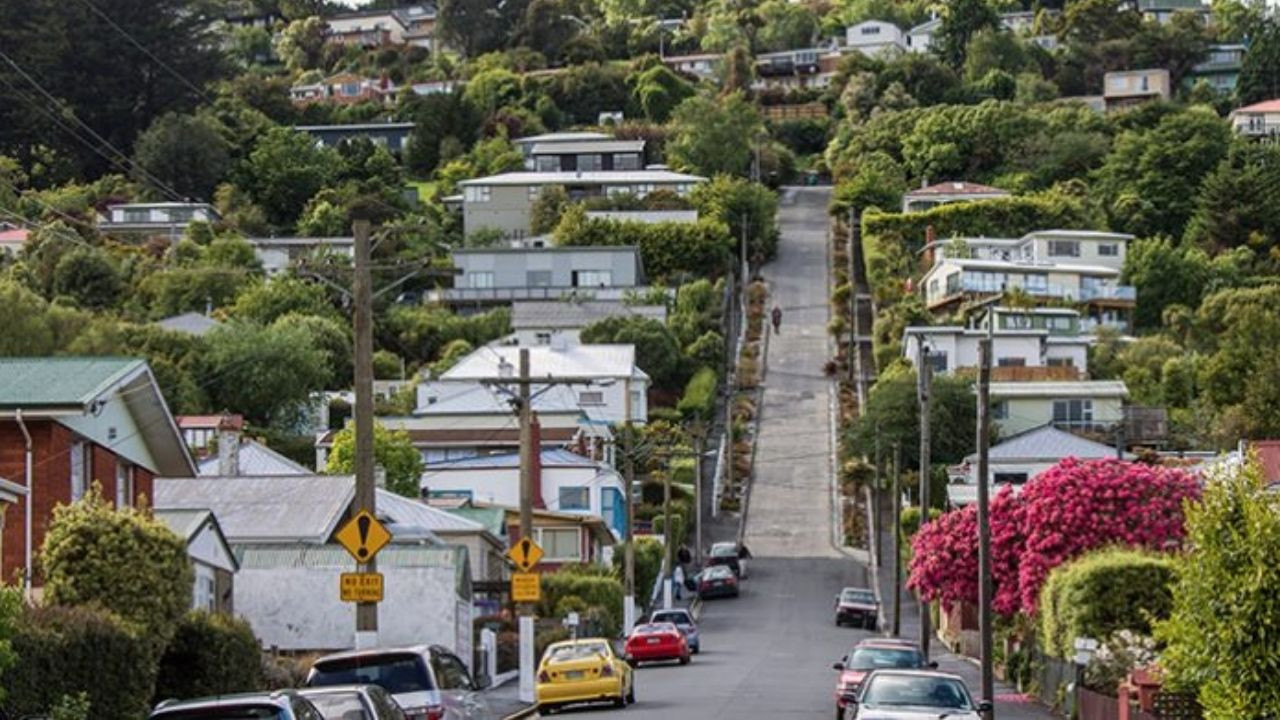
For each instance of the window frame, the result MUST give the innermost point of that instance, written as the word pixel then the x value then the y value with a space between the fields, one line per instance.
pixel 1055 246
pixel 552 548
pixel 581 495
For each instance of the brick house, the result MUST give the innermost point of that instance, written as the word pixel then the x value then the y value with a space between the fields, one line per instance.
pixel 69 422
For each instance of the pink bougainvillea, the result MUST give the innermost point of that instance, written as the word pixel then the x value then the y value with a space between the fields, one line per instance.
pixel 1071 508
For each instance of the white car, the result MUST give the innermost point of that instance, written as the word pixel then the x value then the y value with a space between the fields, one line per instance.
pixel 427 682
pixel 914 695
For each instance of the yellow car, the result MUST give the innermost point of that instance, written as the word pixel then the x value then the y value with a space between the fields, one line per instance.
pixel 580 671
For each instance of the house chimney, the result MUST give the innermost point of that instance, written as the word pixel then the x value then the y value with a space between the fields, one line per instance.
pixel 535 461
pixel 229 446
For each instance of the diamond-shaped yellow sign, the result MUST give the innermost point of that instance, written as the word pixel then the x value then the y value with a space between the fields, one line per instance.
pixel 525 554
pixel 363 536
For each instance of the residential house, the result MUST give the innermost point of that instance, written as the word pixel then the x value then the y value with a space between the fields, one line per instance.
pixel 700 66
pixel 486 547
pixel 420 26
pixel 503 275
pixel 1031 344
pixel 165 219
pixel 345 89
pixel 434 87
pixel 1020 457
pixel 593 155
pixel 12 241
pixel 239 456
pixel 1260 120
pixel 282 253
pixel 1049 266
pixel 616 382
pixel 789 69
pixel 191 323
pixel 920 38
pixel 366 28
pixel 525 144
pixel 538 322
pixel 504 202
pixel 648 217
pixel 67 423
pixel 213 564
pixel 1129 88
pixel 394 136
pixel 928 197
pixel 875 38
pixel 1095 406
pixel 10 494
pixel 201 432
pixel 1162 11
pixel 566 538
pixel 1220 68
pixel 281 530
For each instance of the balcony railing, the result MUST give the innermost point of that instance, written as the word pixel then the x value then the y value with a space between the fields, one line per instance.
pixel 1066 292
pixel 530 293
pixel 1041 373
pixel 1269 129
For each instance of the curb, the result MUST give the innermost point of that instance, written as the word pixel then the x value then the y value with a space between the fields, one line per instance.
pixel 695 609
pixel 525 713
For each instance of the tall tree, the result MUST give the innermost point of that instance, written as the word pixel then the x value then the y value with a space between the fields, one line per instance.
pixel 1260 73
pixel 478 26
pixel 961 20
pixel 714 135
pixel 186 152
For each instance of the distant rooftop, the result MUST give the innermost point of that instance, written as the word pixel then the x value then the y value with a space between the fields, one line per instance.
pixel 1266 106
pixel 61 381
pixel 543 314
pixel 957 188
pixel 550 458
pixel 192 323
pixel 572 136
pixel 587 146
pixel 594 177
pixel 585 361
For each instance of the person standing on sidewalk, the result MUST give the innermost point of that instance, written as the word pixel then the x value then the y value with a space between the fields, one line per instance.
pixel 777 320
pixel 677 582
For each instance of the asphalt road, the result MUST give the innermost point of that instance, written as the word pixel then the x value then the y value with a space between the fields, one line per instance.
pixel 768 654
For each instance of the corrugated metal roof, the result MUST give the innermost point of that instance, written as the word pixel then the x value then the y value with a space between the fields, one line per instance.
pixel 184 523
pixel 574 147
pixel 255 460
pixel 295 508
pixel 592 177
pixel 266 557
pixel 403 510
pixel 32 382
pixel 550 458
pixel 572 136
pixel 1049 444
pixel 467 398
pixel 492 518
pixel 602 361
pixel 957 188
pixel 541 314
pixel 1079 388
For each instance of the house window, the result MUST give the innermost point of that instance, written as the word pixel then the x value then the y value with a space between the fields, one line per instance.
pixel 542 338
pixel 1011 362
pixel 953 283
pixel 1036 283
pixel 575 498
pixel 870 29
pixel 1060 324
pixel 538 278
pixel 560 544
pixel 593 278
pixel 548 163
pixel 1109 250
pixel 1146 83
pixel 124 484
pixel 589 163
pixel 591 397
pixel 1010 478
pixel 626 161
pixel 1000 410
pixel 480 280
pixel 477 193
pixel 637 405
pixel 79 470
pixel 534 192
pixel 1073 413
pixel 205 590
pixel 938 361
pixel 181 215
pixel 137 216
pixel 1060 362
pixel 1064 248
pixel 1016 322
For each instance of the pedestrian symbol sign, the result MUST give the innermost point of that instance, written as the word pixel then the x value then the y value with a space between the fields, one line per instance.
pixel 525 554
pixel 363 536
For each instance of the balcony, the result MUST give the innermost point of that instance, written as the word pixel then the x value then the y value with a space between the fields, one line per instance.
pixel 1116 293
pixel 512 294
pixel 1040 373
pixel 1259 129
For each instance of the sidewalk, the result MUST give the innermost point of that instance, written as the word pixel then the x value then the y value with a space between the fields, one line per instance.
pixel 1009 703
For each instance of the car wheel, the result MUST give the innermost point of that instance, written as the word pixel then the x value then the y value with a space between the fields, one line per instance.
pixel 684 659
pixel 546 709
pixel 631 693
pixel 697 649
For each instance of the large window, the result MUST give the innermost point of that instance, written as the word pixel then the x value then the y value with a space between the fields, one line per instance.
pixel 480 279
pixel 1011 362
pixel 1060 362
pixel 1109 250
pixel 560 544
pixel 1074 413
pixel 1000 410
pixel 593 278
pixel 575 498
pixel 591 397
pixel 80 453
pixel 538 278
pixel 1036 283
pixel 938 361
pixel 548 163
pixel 477 193
pixel 1064 248
pixel 1010 478
pixel 137 216
pixel 181 215
pixel 589 163
pixel 124 484
pixel 626 161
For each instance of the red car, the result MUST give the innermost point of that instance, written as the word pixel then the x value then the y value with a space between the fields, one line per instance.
pixel 874 654
pixel 657 641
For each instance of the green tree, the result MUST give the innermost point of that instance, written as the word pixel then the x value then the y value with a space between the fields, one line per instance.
pixel 1218 643
pixel 745 207
pixel 210 654
pixel 301 44
pixel 1176 46
pixel 658 90
pixel 263 303
pixel 267 374
pixel 89 277
pixel 186 153
pixel 1233 208
pixel 657 352
pixel 330 335
pixel 476 27
pixel 1091 21
pixel 545 213
pixel 10 610
pixel 120 560
pixel 392 450
pixel 961 20
pixel 284 170
pixel 785 26
pixel 714 135
pixel 1165 273
pixel 992 49
pixel 893 412
pixel 1260 72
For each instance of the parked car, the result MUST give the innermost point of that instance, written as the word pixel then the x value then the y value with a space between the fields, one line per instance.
pixel 427 682
pixel 656 641
pixel 682 619
pixel 869 655
pixel 344 702
pixel 717 581
pixel 280 705
pixel 582 671
pixel 727 553
pixel 857 606
pixel 915 695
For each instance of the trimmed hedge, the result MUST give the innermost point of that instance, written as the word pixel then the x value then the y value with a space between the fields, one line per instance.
pixel 595 590
pixel 1101 593
pixel 699 399
pixel 210 654
pixel 668 249
pixel 910 520
pixel 67 650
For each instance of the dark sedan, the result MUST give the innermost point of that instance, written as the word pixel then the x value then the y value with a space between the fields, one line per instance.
pixel 717 581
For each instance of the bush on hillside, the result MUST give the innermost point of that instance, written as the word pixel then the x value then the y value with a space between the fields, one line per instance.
pixel 210 654
pixel 668 250
pixel 699 399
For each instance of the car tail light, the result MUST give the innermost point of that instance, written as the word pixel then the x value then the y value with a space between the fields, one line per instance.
pixel 606 671
pixel 544 677
pixel 429 712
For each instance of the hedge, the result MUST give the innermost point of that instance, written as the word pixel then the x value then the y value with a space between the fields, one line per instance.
pixel 667 249
pixel 67 650
pixel 210 654
pixel 1101 593
pixel 910 520
pixel 595 590
pixel 699 399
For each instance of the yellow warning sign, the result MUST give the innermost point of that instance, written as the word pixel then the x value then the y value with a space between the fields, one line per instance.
pixel 361 587
pixel 525 554
pixel 363 536
pixel 526 587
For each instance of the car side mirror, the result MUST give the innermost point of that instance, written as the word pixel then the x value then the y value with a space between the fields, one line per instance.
pixel 837 666
pixel 985 707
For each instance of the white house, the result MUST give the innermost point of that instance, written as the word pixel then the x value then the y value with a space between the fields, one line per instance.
pixel 1027 344
pixel 875 38
pixel 920 37
pixel 1259 120
pixel 611 370
pixel 163 218
pixel 278 254
pixel 564 482
pixel 1019 458
pixel 930 196
pixel 213 564
pixel 538 322
pixel 703 66
pixel 1083 405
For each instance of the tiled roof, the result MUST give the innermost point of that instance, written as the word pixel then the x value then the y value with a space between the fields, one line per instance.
pixel 60 381
pixel 1266 106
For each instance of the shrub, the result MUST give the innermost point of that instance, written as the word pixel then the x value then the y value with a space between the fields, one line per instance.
pixel 210 654
pixel 648 564
pixel 596 591
pixel 666 249
pixel 1101 593
pixel 911 520
pixel 68 650
pixel 699 399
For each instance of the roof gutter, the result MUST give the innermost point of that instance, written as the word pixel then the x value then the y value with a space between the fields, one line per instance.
pixel 27 502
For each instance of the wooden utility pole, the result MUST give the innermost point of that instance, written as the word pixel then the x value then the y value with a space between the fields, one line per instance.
pixel 699 438
pixel 527 449
pixel 895 483
pixel 629 478
pixel 366 490
pixel 877 525
pixel 984 519
pixel 924 375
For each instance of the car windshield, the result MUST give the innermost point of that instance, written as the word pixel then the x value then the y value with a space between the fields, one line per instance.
pixel 225 712
pixel 578 651
pixel 396 673
pixel 722 551
pixel 677 617
pixel 340 705
pixel 717 572
pixel 897 690
pixel 858 596
pixel 875 657
pixel 655 628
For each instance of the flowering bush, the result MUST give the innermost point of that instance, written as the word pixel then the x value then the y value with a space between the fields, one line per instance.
pixel 1065 511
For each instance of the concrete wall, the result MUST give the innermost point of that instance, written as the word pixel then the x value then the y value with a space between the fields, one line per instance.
pixel 507 210
pixel 299 608
pixel 511 269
